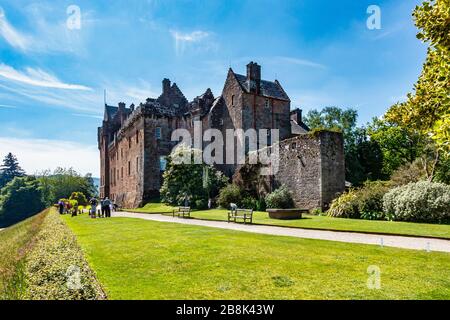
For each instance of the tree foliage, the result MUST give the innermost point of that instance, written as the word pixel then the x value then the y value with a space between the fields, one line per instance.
pixel 426 113
pixel 79 197
pixel 62 182
pixel 10 169
pixel 363 156
pixel 197 182
pixel 19 199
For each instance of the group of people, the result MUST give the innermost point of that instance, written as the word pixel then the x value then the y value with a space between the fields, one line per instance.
pixel 67 207
pixel 106 207
pixel 104 210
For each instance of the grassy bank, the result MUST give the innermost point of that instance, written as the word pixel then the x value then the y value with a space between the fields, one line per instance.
pixel 43 260
pixel 15 243
pixel 138 259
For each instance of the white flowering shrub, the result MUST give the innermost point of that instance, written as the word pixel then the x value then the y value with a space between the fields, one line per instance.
pixel 418 201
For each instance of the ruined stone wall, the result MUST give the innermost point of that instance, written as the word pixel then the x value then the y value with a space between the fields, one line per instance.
pixel 310 165
pixel 299 169
pixel 333 165
pixel 313 167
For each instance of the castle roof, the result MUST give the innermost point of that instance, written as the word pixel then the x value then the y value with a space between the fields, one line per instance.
pixel 268 89
pixel 111 111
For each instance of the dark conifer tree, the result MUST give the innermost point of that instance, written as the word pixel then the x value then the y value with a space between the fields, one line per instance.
pixel 10 169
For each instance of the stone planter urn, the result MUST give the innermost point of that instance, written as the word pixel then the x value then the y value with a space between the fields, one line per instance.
pixel 285 214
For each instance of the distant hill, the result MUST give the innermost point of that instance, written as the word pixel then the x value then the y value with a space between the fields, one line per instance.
pixel 96 183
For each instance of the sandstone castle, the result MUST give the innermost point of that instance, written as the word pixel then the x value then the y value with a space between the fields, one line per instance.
pixel 134 141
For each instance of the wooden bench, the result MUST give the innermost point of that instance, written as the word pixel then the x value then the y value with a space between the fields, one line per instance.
pixel 182 212
pixel 244 214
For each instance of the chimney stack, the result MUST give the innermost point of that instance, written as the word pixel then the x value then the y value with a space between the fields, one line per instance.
pixel 296 115
pixel 254 76
pixel 166 86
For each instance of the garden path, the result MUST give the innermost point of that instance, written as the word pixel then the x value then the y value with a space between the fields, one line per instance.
pixel 415 243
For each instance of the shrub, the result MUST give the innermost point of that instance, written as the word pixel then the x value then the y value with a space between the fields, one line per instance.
pixel 280 199
pixel 56 268
pixel 365 202
pixel 410 172
pixel 370 199
pixel 316 212
pixel 229 194
pixel 201 204
pixel 345 206
pixel 419 201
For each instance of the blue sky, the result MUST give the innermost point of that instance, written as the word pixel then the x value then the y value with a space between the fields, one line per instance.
pixel 52 77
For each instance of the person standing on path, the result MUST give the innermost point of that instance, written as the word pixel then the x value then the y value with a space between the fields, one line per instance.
pixel 107 207
pixel 93 202
pixel 61 207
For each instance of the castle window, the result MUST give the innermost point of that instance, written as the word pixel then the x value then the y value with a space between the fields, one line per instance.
pixel 162 163
pixel 232 100
pixel 129 167
pixel 158 133
pixel 137 137
pixel 129 142
pixel 121 173
pixel 137 164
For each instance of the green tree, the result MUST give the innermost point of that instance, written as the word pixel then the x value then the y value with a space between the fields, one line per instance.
pixel 363 156
pixel 196 181
pixel 79 197
pixel 334 118
pixel 63 182
pixel 398 144
pixel 19 199
pixel 427 110
pixel 10 169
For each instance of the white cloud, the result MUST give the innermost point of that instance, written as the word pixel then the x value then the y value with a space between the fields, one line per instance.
pixel 11 35
pixel 301 62
pixel 6 106
pixel 35 155
pixel 38 78
pixel 183 40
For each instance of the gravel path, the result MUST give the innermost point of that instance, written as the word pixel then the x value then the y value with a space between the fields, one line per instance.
pixel 426 244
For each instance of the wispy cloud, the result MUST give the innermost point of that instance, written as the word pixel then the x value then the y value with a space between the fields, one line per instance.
pixel 36 155
pixel 6 106
pixel 87 115
pixel 183 40
pixel 11 35
pixel 301 62
pixel 38 78
pixel 48 34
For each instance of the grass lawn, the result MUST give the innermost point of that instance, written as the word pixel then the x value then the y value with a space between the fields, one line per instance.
pixel 153 207
pixel 139 259
pixel 341 224
pixel 323 222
